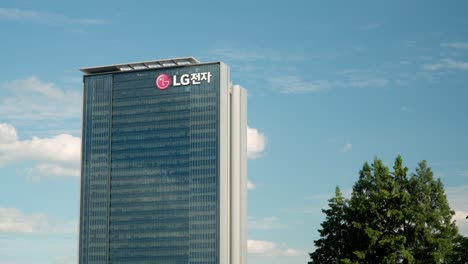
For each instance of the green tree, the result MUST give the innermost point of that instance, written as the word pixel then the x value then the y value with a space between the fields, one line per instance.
pixel 460 250
pixel 331 247
pixel 432 230
pixel 377 211
pixel 390 218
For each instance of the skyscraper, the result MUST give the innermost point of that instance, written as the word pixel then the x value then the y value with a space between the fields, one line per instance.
pixel 163 164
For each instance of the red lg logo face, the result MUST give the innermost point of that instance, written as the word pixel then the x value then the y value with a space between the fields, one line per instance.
pixel 163 81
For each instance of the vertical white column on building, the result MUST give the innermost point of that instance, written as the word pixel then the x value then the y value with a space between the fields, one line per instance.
pixel 224 166
pixel 243 175
pixel 238 175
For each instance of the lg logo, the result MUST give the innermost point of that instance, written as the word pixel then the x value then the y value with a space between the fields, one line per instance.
pixel 163 81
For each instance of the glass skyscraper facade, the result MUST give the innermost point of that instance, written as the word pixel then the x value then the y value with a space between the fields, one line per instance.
pixel 158 180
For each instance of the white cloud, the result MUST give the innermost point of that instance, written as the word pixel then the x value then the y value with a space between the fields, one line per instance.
pixel 32 99
pixel 289 84
pixel 14 14
pixel 448 64
pixel 460 215
pixel 290 252
pixel 265 223
pixel 462 222
pixel 256 142
pixel 458 197
pixel 250 185
pixel 347 147
pixel 13 221
pixel 54 156
pixel 60 148
pixel 267 248
pixel 375 78
pixel 7 134
pixel 369 83
pixel 455 45
pixel 259 247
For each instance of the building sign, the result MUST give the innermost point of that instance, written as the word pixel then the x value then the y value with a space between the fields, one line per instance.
pixel 163 81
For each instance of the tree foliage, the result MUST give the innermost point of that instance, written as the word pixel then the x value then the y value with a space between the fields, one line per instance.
pixel 332 246
pixel 391 217
pixel 460 251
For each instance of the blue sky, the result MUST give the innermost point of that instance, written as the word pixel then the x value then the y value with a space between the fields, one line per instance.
pixel 331 85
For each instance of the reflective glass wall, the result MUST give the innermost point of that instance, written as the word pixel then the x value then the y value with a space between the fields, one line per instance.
pixel 150 188
pixel 95 172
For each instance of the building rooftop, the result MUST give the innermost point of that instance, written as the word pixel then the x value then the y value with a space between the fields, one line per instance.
pixel 140 65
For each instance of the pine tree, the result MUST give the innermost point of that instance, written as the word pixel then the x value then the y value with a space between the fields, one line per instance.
pixel 331 246
pixel 391 218
pixel 432 229
pixel 460 251
pixel 377 214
